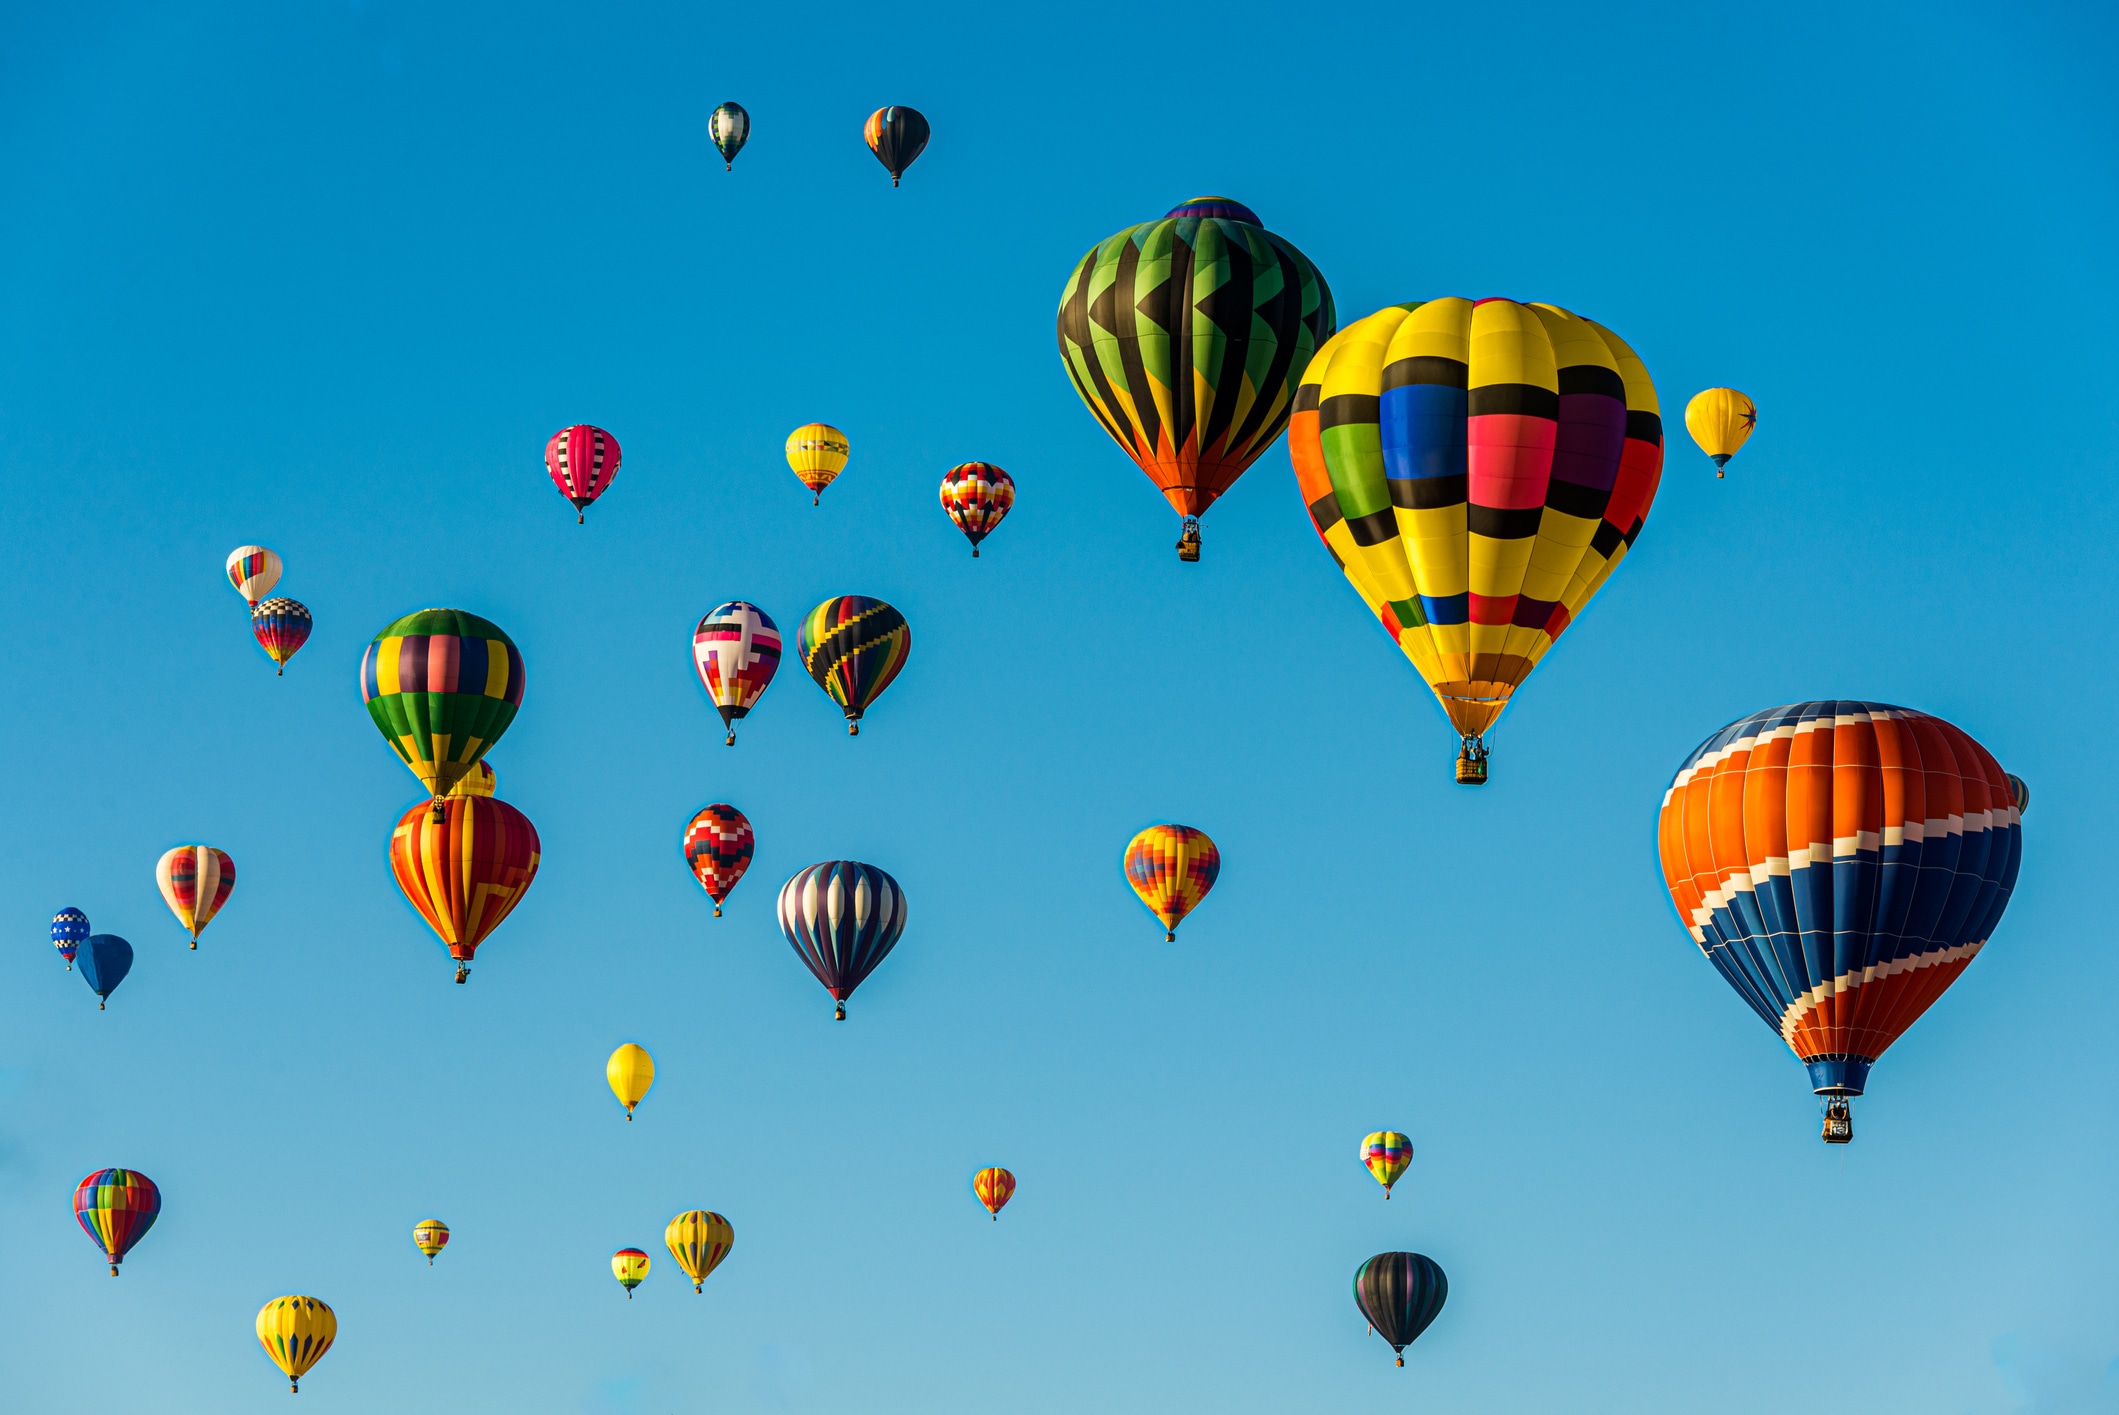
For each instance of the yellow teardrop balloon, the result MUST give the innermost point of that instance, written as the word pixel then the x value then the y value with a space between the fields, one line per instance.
pixel 630 1071
pixel 1720 420
pixel 296 1332
pixel 818 453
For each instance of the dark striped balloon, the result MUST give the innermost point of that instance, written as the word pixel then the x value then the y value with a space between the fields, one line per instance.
pixel 896 135
pixel 843 918
pixel 854 647
pixel 1400 1294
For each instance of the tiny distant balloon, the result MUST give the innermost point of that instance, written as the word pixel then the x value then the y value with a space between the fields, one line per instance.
pixel 896 135
pixel 1171 868
pixel 630 1071
pixel 1386 1154
pixel 105 959
pixel 253 570
pixel 842 918
pixel 1720 421
pixel 196 881
pixel 854 647
pixel 817 452
pixel 282 627
pixel 583 462
pixel 480 780
pixel 69 932
pixel 430 1236
pixel 629 1266
pixel 736 649
pixel 977 495
pixel 718 845
pixel 729 128
pixel 699 1240
pixel 1400 1294
pixel 2020 792
pixel 995 1187
pixel 296 1332
pixel 115 1208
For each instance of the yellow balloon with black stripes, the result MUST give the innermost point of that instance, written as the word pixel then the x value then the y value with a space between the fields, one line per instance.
pixel 1720 421
pixel 699 1239
pixel 1477 469
pixel 818 453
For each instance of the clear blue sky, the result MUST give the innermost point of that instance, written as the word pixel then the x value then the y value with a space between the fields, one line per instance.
pixel 326 276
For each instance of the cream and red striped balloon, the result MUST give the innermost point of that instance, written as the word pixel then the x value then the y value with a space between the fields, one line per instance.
pixel 195 881
pixel 253 570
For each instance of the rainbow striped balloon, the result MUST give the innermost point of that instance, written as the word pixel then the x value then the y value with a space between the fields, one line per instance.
pixel 1171 868
pixel 115 1208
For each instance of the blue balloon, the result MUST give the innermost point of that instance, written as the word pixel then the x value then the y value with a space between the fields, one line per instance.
pixel 69 932
pixel 105 960
pixel 842 918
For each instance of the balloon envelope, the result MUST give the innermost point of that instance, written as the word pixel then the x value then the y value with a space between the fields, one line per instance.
pixel 583 462
pixel 630 1071
pixel 195 881
pixel 430 1236
pixel 69 932
pixel 1171 868
pixel 854 647
pixel 977 495
pixel 104 960
pixel 466 872
pixel 729 129
pixel 736 649
pixel 896 135
pixel 1840 864
pixel 281 627
pixel 995 1187
pixel 441 686
pixel 115 1208
pixel 842 918
pixel 1386 1153
pixel 1720 421
pixel 296 1332
pixel 1400 1294
pixel 253 570
pixel 699 1240
pixel 629 1266
pixel 480 780
pixel 817 452
pixel 718 845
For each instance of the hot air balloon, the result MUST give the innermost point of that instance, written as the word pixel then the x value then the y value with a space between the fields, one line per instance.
pixel 699 1240
pixel 196 881
pixel 630 1071
pixel 854 647
pixel 105 960
pixel 253 570
pixel 1171 868
pixel 282 627
pixel 1477 469
pixel 1400 1294
pixel 480 780
pixel 583 462
pixel 1839 863
pixel 2020 793
pixel 69 932
pixel 629 1266
pixel 718 846
pixel 995 1187
pixel 115 1208
pixel 1185 337
pixel 1386 1154
pixel 729 128
pixel 818 453
pixel 296 1332
pixel 464 863
pixel 430 1236
pixel 1720 420
pixel 976 495
pixel 736 649
pixel 441 686
pixel 896 136
pixel 842 918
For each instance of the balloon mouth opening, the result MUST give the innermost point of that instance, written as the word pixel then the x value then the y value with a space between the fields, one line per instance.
pixel 1838 1076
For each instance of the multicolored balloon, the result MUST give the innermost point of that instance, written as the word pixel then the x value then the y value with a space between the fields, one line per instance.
pixel 282 627
pixel 1840 864
pixel 296 1332
pixel 736 649
pixel 1720 420
pixel 817 452
pixel 1171 868
pixel 69 932
pixel 630 1072
pixel 995 1187
pixel 699 1240
pixel 441 686
pixel 1185 337
pixel 583 462
pixel 430 1236
pixel 1401 1294
pixel 2020 792
pixel 1477 469
pixel 480 780
pixel 842 918
pixel 105 959
pixel 629 1266
pixel 1386 1153
pixel 253 570
pixel 464 862
pixel 196 881
pixel 718 845
pixel 115 1208
pixel 977 495
pixel 854 647
pixel 896 136
pixel 729 129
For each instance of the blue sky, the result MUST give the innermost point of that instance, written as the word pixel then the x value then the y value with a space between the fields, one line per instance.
pixel 325 276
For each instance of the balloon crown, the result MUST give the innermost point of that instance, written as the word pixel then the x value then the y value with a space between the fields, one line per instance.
pixel 1224 207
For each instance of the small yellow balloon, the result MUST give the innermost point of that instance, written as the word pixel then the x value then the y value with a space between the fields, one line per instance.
pixel 296 1332
pixel 629 1266
pixel 1720 419
pixel 479 781
pixel 818 453
pixel 630 1071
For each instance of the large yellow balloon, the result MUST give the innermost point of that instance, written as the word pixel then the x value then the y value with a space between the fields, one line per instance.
pixel 699 1240
pixel 817 452
pixel 296 1332
pixel 1720 419
pixel 630 1071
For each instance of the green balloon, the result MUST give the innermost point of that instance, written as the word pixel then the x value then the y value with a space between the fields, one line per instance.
pixel 442 686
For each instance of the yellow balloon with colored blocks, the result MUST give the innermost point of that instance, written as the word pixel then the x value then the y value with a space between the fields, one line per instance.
pixel 296 1332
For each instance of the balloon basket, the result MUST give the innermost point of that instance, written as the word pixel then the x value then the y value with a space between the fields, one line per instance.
pixel 113 1269
pixel 463 973
pixel 1471 763
pixel 853 728
pixel 1188 541
pixel 839 1014
pixel 1839 1121
pixel 1401 1362
pixel 194 945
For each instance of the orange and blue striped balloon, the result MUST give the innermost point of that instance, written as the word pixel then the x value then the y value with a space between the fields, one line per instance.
pixel 1171 868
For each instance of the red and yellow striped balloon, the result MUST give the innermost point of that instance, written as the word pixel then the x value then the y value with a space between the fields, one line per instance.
pixel 466 871
pixel 995 1187
pixel 1171 868
pixel 196 881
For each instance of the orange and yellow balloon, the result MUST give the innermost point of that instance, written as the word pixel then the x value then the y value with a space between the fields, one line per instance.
pixel 629 1266
pixel 1721 421
pixel 296 1332
pixel 1171 868
pixel 818 453
pixel 196 881
pixel 630 1071
pixel 480 780
pixel 699 1239
pixel 1386 1154
pixel 995 1187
